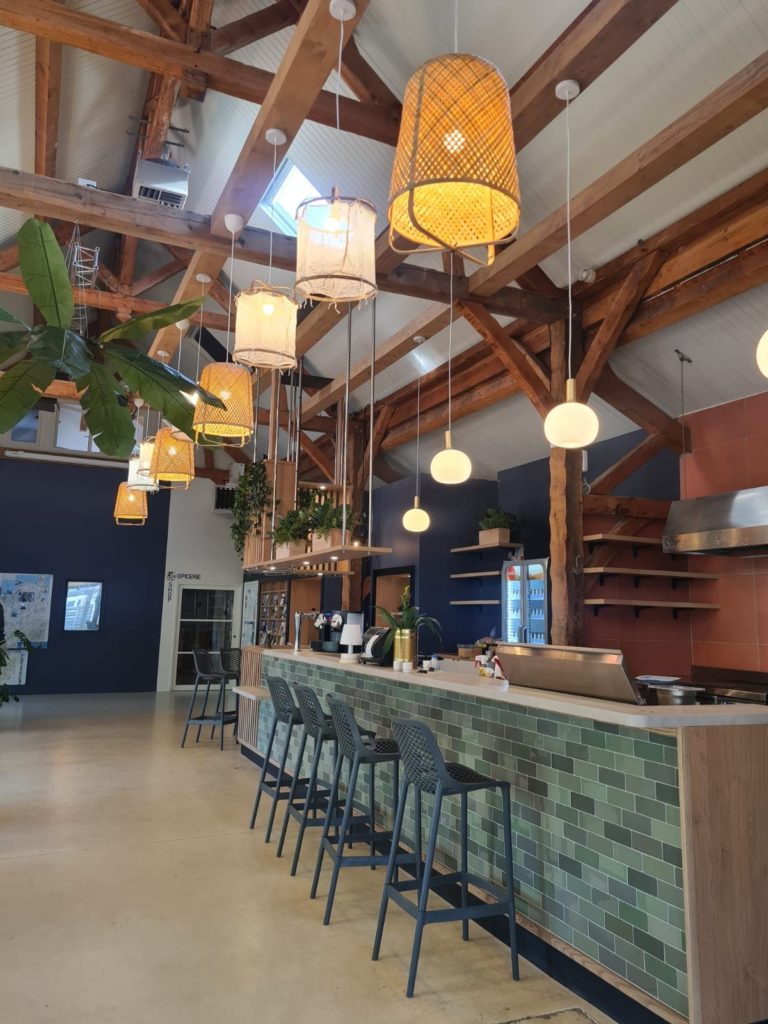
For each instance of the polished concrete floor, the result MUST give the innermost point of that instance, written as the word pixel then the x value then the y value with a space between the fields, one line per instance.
pixel 132 892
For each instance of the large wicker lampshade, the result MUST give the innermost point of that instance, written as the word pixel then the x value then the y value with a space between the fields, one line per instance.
pixel 454 180
pixel 232 425
pixel 335 249
pixel 265 328
pixel 173 461
pixel 140 469
pixel 130 506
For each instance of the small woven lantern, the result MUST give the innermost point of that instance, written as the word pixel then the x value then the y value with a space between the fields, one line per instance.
pixel 265 328
pixel 140 469
pixel 454 180
pixel 336 249
pixel 232 425
pixel 130 506
pixel 173 461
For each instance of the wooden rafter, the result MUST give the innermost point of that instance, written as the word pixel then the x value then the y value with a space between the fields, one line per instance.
pixel 47 103
pixel 166 17
pixel 629 463
pixel 158 276
pixel 180 60
pixel 639 409
pixel 251 28
pixel 373 445
pixel 314 452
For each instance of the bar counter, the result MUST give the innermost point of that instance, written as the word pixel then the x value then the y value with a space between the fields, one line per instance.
pixel 641 836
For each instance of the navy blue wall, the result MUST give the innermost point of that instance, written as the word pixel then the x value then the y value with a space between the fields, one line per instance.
pixel 57 519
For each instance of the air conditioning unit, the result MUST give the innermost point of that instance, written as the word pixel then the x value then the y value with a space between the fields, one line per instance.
pixel 223 500
pixel 161 182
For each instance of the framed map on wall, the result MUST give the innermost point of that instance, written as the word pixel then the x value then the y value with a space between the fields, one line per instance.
pixel 25 604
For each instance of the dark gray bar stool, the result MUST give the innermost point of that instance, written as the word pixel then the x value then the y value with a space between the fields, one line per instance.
pixel 208 670
pixel 278 789
pixel 426 770
pixel 357 750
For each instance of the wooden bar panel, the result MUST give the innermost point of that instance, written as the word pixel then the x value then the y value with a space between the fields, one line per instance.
pixel 723 782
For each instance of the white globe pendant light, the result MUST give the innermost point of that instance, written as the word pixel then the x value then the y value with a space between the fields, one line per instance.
pixel 762 355
pixel 416 519
pixel 451 465
pixel 571 424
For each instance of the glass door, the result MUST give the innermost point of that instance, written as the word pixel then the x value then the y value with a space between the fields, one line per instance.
pixel 512 602
pixel 537 623
pixel 205 623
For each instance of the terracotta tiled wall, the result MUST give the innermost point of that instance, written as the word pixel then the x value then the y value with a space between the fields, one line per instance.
pixel 729 451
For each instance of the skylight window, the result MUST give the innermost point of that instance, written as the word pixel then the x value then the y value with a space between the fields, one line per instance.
pixel 289 188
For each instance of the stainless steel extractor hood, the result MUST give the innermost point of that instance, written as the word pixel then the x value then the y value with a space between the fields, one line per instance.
pixel 722 524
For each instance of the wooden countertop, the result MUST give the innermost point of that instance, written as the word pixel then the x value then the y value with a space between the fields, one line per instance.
pixel 628 715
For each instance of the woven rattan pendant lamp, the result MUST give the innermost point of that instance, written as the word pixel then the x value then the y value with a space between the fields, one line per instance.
pixel 130 506
pixel 336 234
pixel 173 461
pixel 265 321
pixel 454 179
pixel 232 423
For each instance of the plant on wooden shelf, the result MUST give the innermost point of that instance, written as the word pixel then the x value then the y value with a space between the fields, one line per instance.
pixel 496 527
pixel 291 534
pixel 105 373
pixel 253 496
pixel 404 626
pixel 327 522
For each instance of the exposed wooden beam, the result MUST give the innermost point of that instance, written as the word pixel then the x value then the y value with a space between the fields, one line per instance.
pixel 613 505
pixel 158 276
pixel 162 93
pixel 386 354
pixel 589 45
pixel 734 103
pixel 623 306
pixel 628 464
pixel 47 103
pixel 179 60
pixel 639 409
pixel 127 261
pixel 253 27
pixel 315 453
pixel 385 472
pixel 166 17
pixel 365 83
pixel 520 363
pixel 373 445
pixel 198 13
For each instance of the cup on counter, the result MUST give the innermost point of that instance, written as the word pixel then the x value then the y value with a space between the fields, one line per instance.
pixel 426 664
pixel 397 665
pixel 407 666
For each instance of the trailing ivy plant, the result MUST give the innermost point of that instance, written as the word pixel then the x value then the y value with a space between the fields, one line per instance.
pixel 105 372
pixel 253 495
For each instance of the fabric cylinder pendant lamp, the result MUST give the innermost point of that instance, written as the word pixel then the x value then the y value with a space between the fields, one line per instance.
pixel 454 182
pixel 139 476
pixel 130 507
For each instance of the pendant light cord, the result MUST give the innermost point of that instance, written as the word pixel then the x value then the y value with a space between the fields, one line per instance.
pixel 258 404
pixel 371 400
pixel 568 229
pixel 455 26
pixel 272 212
pixel 345 441
pixel 229 304
pixel 200 334
pixel 338 72
pixel 418 419
pixel 450 347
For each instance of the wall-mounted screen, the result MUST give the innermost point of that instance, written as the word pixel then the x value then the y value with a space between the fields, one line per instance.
pixel 83 608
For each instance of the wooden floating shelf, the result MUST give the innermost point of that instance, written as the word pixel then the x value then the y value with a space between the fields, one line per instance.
pixel 474 602
pixel 602 571
pixel 319 558
pixel 487 547
pixel 594 539
pixel 675 606
pixel 474 575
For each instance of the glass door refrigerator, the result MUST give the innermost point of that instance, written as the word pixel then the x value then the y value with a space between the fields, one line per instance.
pixel 525 600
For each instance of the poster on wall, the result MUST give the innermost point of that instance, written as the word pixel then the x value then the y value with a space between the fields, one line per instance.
pixel 25 604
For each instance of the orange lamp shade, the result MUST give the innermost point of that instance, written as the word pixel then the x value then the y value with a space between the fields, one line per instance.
pixel 173 461
pixel 233 424
pixel 454 180
pixel 130 506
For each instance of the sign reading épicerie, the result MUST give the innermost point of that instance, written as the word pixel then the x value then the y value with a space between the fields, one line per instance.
pixel 173 576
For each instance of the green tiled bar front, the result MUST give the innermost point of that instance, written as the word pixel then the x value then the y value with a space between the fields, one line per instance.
pixel 595 816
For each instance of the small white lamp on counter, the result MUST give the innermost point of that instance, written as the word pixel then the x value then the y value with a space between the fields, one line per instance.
pixel 352 636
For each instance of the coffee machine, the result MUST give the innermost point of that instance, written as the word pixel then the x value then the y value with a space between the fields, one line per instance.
pixel 329 626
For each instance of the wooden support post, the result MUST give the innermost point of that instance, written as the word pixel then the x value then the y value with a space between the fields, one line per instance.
pixel 566 530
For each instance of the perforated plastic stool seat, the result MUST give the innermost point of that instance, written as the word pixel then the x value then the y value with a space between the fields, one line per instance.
pixel 425 769
pixel 357 749
pixel 208 671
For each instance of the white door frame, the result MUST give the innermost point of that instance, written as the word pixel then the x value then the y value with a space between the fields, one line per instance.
pixel 175 614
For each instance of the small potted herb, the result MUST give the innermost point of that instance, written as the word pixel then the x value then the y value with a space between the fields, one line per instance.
pixel 291 533
pixel 495 528
pixel 327 524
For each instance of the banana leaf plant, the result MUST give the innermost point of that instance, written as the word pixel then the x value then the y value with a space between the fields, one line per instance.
pixel 105 372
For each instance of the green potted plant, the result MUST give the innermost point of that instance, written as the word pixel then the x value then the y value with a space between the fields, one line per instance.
pixel 253 496
pixel 327 522
pixel 404 626
pixel 105 372
pixel 496 527
pixel 291 534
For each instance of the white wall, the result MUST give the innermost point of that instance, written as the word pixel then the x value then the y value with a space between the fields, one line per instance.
pixel 199 543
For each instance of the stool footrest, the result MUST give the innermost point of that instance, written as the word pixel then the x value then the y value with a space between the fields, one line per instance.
pixel 397 893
